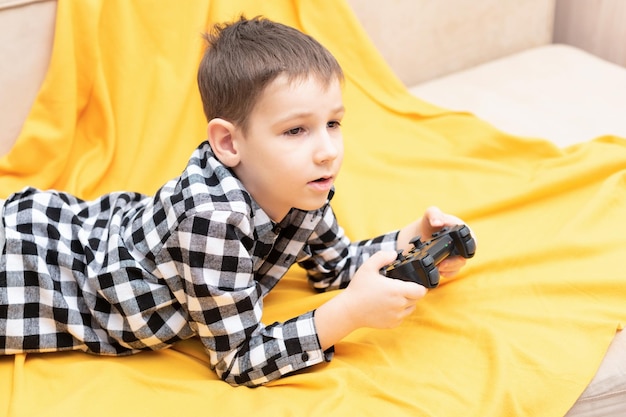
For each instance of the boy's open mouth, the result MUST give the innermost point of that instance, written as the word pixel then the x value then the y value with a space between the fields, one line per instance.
pixel 322 183
pixel 322 179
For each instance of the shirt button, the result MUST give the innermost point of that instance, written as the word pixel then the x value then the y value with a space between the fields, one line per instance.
pixel 305 357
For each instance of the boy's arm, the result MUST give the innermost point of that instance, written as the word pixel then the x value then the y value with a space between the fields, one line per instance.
pixel 331 259
pixel 212 278
pixel 370 300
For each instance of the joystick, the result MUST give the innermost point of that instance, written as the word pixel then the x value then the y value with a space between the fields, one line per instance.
pixel 420 263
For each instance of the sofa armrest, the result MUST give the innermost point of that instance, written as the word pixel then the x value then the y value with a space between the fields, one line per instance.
pixel 26 34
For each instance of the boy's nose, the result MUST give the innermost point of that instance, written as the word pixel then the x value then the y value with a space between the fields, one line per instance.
pixel 328 148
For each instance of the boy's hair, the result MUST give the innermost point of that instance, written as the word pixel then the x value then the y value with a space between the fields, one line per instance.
pixel 243 57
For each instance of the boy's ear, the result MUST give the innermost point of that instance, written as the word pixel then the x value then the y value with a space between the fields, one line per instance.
pixel 221 136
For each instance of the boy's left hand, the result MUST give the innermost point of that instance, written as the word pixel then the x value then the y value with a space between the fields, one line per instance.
pixel 433 220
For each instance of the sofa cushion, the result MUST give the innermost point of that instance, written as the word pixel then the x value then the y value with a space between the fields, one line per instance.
pixel 554 92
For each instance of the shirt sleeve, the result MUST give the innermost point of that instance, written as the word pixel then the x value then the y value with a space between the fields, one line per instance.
pixel 212 278
pixel 331 259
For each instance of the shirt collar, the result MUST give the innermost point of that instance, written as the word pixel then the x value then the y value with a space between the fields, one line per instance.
pixel 262 222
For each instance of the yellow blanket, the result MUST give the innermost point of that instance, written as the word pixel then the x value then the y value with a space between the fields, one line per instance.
pixel 519 333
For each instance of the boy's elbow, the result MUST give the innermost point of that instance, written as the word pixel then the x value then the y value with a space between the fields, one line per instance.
pixel 230 372
pixel 242 382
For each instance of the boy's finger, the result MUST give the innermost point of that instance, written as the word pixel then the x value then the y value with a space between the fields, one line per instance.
pixel 382 258
pixel 435 217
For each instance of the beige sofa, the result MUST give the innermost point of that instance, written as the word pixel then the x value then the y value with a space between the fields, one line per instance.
pixel 495 58
pixel 498 59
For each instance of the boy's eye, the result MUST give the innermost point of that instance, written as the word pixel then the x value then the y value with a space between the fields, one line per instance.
pixel 293 132
pixel 334 124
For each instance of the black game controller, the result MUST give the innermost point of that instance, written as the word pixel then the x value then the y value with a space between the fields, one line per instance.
pixel 420 263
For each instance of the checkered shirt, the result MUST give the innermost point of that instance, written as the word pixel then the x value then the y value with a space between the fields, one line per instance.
pixel 129 272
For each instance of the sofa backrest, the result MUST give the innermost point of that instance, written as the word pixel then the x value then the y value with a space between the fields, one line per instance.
pixel 425 39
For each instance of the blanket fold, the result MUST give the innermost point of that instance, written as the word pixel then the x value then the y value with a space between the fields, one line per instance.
pixel 520 332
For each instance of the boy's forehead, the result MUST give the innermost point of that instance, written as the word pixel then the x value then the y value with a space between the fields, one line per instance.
pixel 287 83
pixel 288 96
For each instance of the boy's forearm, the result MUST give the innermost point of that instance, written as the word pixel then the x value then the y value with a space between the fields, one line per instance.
pixel 333 322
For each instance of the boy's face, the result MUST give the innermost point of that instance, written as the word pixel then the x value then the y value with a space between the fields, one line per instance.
pixel 292 150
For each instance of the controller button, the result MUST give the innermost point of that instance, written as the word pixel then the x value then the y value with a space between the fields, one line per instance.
pixel 439 232
pixel 433 277
pixel 428 261
pixel 417 242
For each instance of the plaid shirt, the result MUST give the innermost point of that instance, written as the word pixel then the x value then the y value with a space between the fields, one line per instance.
pixel 129 272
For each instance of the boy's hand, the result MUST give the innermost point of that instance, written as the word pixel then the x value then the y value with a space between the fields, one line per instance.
pixel 433 220
pixel 371 300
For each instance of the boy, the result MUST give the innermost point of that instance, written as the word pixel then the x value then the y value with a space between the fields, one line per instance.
pixel 129 272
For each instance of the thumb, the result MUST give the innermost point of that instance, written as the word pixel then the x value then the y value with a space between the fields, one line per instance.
pixel 382 258
pixel 435 217
pixel 410 290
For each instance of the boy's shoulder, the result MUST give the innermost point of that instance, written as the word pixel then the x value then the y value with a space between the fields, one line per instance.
pixel 207 185
pixel 206 175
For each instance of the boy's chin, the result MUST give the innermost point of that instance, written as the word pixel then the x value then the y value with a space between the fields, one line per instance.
pixel 311 206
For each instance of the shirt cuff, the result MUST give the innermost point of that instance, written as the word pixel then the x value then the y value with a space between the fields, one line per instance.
pixel 329 354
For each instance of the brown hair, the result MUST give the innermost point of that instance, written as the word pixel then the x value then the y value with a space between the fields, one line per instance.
pixel 243 57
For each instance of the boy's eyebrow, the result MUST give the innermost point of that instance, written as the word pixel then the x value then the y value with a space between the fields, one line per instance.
pixel 289 116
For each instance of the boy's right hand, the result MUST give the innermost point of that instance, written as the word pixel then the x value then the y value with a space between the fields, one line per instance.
pixel 373 300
